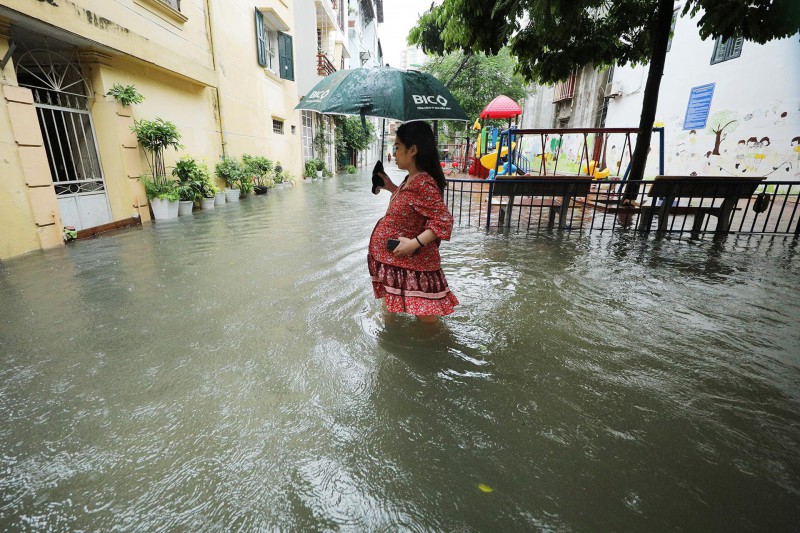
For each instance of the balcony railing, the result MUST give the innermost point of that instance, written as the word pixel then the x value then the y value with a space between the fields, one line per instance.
pixel 324 65
pixel 564 90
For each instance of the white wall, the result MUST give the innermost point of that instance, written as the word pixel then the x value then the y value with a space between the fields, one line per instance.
pixel 758 91
pixel 305 46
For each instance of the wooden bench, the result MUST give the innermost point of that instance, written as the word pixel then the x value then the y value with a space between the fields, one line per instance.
pixel 671 188
pixel 561 189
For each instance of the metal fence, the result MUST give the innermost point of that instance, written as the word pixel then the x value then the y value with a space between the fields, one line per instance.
pixel 679 205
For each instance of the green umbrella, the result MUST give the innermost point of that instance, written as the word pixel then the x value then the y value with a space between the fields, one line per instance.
pixel 383 92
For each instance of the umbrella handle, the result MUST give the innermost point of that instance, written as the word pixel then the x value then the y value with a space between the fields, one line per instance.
pixel 363 120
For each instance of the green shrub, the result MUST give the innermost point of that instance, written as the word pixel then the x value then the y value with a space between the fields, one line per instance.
pixel 165 190
pixel 125 94
pixel 350 169
pixel 230 170
pixel 259 169
pixel 310 169
pixel 194 179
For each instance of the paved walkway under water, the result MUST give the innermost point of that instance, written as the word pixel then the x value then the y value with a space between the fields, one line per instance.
pixel 231 371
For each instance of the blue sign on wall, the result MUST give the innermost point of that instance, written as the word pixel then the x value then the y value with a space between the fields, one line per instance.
pixel 699 104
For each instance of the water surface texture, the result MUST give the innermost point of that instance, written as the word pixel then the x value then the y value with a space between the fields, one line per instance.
pixel 232 372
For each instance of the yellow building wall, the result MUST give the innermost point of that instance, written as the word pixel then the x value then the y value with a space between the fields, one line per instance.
pixel 29 217
pixel 197 68
pixel 250 95
pixel 176 42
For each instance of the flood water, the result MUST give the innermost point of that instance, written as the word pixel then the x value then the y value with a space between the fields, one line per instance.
pixel 232 372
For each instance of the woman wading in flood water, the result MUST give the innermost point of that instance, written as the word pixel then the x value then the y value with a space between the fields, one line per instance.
pixel 409 276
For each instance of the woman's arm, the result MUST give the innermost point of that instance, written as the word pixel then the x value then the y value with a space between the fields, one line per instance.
pixel 407 247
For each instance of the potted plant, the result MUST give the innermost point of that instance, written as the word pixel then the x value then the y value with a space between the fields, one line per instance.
pixel 219 198
pixel 191 175
pixel 229 169
pixel 277 175
pixel 310 170
pixel 246 186
pixel 154 136
pixel 320 167
pixel 208 194
pixel 161 194
pixel 259 168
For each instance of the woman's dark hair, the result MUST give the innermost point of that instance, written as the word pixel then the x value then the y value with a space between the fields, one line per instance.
pixel 420 134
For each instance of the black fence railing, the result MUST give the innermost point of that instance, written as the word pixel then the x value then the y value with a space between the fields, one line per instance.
pixel 667 204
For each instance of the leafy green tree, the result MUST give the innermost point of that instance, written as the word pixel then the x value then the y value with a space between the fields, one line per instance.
pixel 550 38
pixel 476 79
pixel 351 136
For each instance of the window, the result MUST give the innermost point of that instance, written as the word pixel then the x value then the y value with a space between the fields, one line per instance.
pixel 277 126
pixel 727 49
pixel 308 133
pixel 166 9
pixel 273 47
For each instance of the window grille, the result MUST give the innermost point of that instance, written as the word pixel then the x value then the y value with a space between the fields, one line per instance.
pixel 727 49
pixel 277 126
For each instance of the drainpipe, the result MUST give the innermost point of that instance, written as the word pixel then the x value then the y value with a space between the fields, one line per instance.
pixel 215 62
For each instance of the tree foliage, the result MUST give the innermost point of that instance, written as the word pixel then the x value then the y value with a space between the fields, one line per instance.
pixel 351 136
pixel 551 38
pixel 479 80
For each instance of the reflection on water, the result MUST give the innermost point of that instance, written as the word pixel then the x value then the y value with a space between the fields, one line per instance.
pixel 233 372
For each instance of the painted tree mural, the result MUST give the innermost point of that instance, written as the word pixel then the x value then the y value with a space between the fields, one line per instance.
pixel 722 121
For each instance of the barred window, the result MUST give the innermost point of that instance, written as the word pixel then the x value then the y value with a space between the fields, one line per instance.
pixel 277 126
pixel 727 49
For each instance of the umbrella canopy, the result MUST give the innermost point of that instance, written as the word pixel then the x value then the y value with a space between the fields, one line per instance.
pixel 383 92
pixel 501 107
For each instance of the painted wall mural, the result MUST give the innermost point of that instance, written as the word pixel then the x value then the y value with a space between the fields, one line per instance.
pixel 760 142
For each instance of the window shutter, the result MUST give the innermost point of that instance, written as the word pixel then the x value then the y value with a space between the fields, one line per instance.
pixel 286 56
pixel 727 49
pixel 736 49
pixel 719 51
pixel 261 39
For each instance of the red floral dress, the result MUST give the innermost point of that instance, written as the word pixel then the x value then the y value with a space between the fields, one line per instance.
pixel 415 284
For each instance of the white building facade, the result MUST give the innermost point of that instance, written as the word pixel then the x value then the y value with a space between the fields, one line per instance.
pixel 729 108
pixel 331 35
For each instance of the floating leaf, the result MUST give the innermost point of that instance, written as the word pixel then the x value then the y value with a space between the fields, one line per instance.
pixel 485 488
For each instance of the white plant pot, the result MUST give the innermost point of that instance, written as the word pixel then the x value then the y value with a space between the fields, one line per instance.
pixel 319 173
pixel 173 208
pixel 207 203
pixel 160 208
pixel 232 195
pixel 219 199
pixel 185 207
pixel 279 185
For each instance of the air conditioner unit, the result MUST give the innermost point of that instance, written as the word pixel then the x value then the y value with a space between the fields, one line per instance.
pixel 613 89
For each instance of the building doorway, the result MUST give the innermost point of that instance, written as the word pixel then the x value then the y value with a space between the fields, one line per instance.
pixel 61 98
